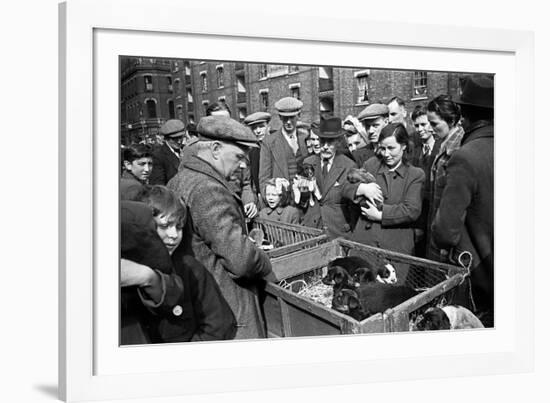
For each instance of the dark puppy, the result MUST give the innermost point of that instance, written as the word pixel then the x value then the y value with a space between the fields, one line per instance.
pixel 347 302
pixel 339 278
pixel 383 274
pixel 359 175
pixel 350 263
pixel 448 317
pixel 378 297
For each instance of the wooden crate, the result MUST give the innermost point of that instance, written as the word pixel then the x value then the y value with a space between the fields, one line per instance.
pixel 293 237
pixel 289 314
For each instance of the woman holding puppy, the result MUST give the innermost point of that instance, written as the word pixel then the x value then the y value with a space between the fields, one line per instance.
pixel 392 226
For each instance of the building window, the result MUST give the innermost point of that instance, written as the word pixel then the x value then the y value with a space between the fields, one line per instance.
pixel 295 90
pixel 169 83
pixel 263 71
pixel 242 114
pixel 362 86
pixel 176 67
pixel 148 83
pixel 219 75
pixel 189 96
pixel 204 82
pixel 420 84
pixel 264 100
pixel 179 110
pixel 187 67
pixel 151 105
pixel 192 119
pixel 178 85
pixel 276 70
pixel 171 110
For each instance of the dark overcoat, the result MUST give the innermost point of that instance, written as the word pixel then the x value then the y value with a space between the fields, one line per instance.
pixel 130 186
pixel 165 165
pixel 465 218
pixel 334 212
pixel 402 190
pixel 215 234
pixel 273 158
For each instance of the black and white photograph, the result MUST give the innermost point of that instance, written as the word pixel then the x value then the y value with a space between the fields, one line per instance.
pixel 275 200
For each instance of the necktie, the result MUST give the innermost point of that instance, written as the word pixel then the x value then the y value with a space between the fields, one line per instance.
pixel 325 169
pixel 425 150
pixel 293 143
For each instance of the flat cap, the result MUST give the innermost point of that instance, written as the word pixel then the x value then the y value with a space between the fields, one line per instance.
pixel 257 117
pixel 226 129
pixel 288 106
pixel 173 128
pixel 373 111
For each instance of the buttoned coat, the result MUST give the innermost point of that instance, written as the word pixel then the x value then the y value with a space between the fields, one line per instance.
pixel 215 234
pixel 273 158
pixel 165 165
pixel 402 190
pixel 287 214
pixel 334 212
pixel 465 219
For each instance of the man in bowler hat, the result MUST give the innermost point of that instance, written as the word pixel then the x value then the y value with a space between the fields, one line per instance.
pixel 215 232
pixel 464 220
pixel 166 158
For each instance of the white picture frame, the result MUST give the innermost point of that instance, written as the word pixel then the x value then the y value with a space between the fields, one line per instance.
pixel 92 367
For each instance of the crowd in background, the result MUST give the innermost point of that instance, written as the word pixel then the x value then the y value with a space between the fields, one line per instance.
pixel 189 270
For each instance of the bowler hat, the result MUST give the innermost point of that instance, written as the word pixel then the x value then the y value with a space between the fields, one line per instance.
pixel 257 117
pixel 330 128
pixel 226 129
pixel 288 106
pixel 173 128
pixel 373 111
pixel 478 90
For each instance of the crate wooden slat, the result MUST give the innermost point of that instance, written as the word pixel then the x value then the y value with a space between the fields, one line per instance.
pixel 292 237
pixel 289 314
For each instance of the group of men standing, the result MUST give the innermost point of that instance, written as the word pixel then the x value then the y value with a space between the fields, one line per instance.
pixel 216 230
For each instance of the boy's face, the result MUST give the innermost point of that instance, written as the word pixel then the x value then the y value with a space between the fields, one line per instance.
pixel 140 168
pixel 170 231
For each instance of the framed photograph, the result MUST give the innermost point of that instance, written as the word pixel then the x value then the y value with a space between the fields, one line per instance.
pixel 97 43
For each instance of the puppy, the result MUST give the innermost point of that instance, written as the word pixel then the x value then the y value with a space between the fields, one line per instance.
pixel 350 263
pixel 347 302
pixel 339 278
pixel 384 274
pixel 377 297
pixel 304 186
pixel 447 318
pixel 359 175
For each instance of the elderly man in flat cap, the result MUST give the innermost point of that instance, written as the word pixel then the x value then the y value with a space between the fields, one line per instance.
pixel 335 211
pixel 374 118
pixel 258 122
pixel 283 151
pixel 216 231
pixel 465 218
pixel 166 158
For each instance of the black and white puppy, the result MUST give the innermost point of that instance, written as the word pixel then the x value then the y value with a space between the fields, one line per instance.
pixel 447 318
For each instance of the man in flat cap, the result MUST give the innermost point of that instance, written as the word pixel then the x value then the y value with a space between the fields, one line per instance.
pixel 283 151
pixel 465 218
pixel 374 118
pixel 166 158
pixel 258 122
pixel 215 233
pixel 334 212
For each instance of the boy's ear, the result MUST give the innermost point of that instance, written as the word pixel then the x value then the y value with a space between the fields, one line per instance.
pixel 127 164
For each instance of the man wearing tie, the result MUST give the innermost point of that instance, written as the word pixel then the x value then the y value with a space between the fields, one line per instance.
pixel 283 151
pixel 334 211
pixel 423 157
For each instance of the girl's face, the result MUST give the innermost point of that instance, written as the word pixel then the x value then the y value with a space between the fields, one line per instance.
pixel 170 231
pixel 391 151
pixel 440 127
pixel 272 197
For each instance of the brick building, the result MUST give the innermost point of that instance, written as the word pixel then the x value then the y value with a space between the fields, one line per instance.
pixel 154 90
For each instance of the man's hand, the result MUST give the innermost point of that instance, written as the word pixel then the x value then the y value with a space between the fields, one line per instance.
pixel 250 210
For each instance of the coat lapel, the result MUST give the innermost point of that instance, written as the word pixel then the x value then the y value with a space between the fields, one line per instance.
pixel 334 173
pixel 279 153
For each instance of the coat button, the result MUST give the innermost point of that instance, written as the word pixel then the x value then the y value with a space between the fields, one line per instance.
pixel 177 311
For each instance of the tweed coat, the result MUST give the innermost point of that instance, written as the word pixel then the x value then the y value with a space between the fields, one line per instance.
pixel 334 212
pixel 465 218
pixel 165 165
pixel 402 190
pixel 273 158
pixel 215 234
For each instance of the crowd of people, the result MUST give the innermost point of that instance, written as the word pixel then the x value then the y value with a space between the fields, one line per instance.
pixel 189 270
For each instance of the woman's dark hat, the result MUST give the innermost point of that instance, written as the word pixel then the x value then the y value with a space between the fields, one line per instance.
pixel 330 128
pixel 478 90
